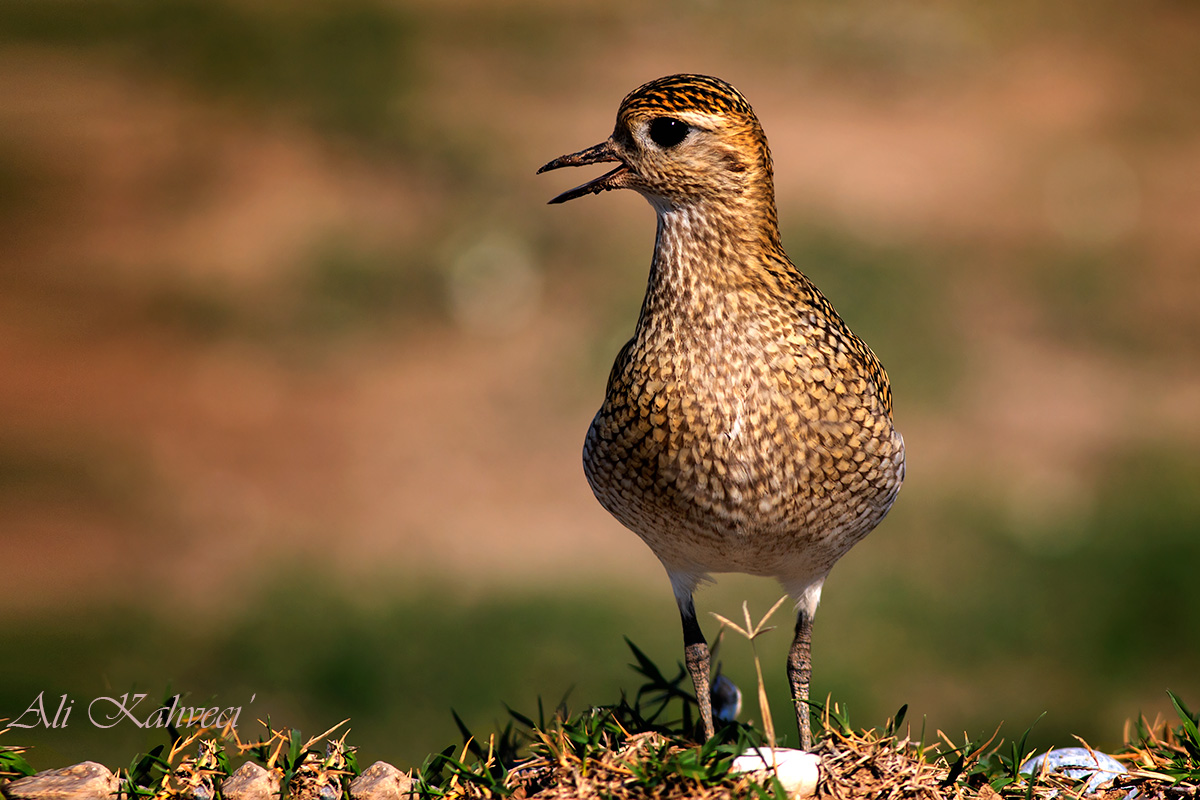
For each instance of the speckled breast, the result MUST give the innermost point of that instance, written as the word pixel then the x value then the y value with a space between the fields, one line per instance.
pixel 765 457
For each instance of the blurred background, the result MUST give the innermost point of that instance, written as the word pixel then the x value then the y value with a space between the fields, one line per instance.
pixel 296 364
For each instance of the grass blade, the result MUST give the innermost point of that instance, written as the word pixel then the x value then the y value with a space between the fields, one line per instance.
pixel 1192 743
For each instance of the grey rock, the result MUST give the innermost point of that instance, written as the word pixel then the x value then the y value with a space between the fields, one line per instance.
pixel 381 781
pixel 726 699
pixel 1077 763
pixel 251 782
pixel 85 781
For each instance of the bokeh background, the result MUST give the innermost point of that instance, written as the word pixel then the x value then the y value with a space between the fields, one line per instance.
pixel 295 362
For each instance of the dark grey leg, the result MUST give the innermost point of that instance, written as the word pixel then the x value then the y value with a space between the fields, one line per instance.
pixel 799 667
pixel 695 655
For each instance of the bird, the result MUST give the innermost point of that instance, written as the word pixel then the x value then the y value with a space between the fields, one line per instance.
pixel 744 428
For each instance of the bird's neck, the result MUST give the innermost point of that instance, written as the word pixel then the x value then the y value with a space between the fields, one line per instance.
pixel 703 257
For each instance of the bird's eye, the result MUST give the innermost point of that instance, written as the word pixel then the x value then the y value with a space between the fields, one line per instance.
pixel 667 131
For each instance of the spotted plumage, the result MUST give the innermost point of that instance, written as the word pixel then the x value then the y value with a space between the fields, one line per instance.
pixel 744 428
pixel 676 93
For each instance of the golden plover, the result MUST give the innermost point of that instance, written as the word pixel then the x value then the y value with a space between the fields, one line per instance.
pixel 745 428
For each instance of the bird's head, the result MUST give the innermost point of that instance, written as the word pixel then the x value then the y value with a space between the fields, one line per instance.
pixel 682 140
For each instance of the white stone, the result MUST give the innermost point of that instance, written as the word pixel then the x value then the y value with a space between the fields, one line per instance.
pixel 797 770
pixel 1076 763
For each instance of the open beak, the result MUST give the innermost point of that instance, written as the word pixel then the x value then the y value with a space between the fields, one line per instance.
pixel 605 151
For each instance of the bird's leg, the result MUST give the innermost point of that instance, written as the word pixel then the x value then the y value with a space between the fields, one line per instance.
pixel 695 655
pixel 799 667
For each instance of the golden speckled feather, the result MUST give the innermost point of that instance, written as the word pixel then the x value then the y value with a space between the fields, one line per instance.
pixel 744 428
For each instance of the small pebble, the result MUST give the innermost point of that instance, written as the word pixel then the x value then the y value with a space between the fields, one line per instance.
pixel 726 699
pixel 1077 763
pixel 85 781
pixel 796 770
pixel 251 782
pixel 381 781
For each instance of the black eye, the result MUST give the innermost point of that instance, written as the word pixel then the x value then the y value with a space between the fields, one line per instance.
pixel 667 131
